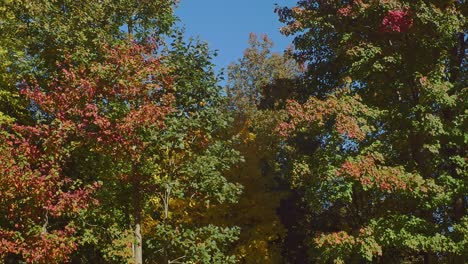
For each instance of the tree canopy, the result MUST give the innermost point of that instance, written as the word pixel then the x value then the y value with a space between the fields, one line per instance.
pixel 118 143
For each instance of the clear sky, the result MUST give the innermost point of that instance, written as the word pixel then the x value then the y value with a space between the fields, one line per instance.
pixel 226 24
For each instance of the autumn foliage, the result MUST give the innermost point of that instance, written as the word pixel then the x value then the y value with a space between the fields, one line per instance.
pixel 36 200
pixel 118 143
pixel 397 21
pixel 103 107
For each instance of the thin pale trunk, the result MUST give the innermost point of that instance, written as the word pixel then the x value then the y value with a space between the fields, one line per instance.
pixel 166 200
pixel 167 197
pixel 138 240
pixel 138 245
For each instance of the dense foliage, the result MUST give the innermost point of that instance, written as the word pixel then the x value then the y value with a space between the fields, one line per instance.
pixel 113 133
pixel 118 144
pixel 388 115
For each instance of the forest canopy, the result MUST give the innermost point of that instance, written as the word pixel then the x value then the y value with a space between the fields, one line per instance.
pixel 121 143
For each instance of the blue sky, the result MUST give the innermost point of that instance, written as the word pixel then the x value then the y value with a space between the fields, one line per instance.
pixel 226 25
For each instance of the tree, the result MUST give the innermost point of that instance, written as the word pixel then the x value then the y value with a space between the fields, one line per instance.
pixel 140 123
pixel 251 89
pixel 386 118
pixel 181 163
pixel 106 109
pixel 37 35
pixel 195 152
pixel 258 68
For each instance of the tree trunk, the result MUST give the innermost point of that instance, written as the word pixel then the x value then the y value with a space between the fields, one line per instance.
pixel 138 241
pixel 138 245
pixel 430 258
